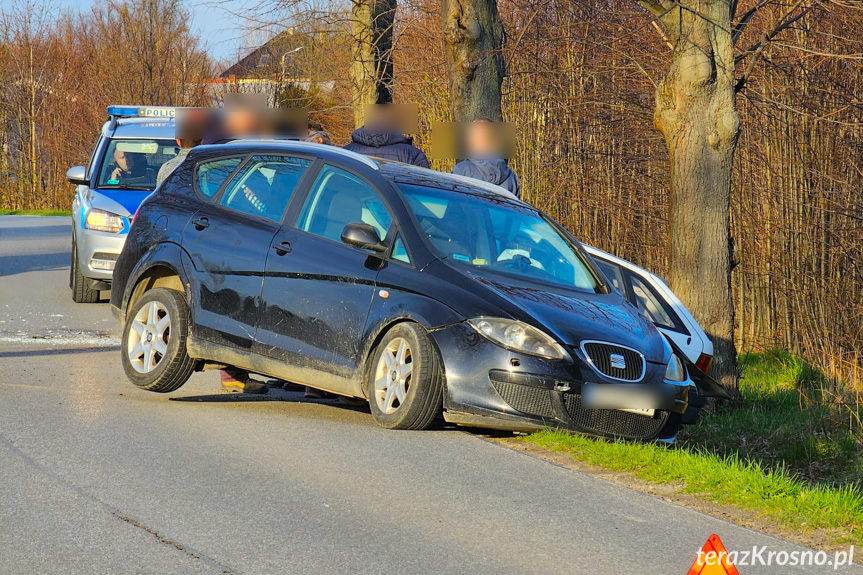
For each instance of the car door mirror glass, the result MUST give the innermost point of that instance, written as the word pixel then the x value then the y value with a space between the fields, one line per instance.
pixel 363 236
pixel 77 175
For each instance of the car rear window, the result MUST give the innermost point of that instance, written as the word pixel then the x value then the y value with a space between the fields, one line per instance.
pixel 211 175
pixel 264 186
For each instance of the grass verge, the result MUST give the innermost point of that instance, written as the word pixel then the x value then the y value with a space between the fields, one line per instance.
pixel 5 212
pixel 787 454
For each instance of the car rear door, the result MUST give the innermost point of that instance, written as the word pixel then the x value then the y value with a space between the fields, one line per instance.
pixel 228 240
pixel 318 290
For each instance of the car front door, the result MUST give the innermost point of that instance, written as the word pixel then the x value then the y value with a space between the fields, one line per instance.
pixel 228 241
pixel 318 290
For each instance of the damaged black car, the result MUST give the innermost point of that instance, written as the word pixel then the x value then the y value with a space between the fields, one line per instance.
pixel 424 293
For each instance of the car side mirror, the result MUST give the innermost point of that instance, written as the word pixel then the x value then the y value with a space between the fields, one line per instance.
pixel 77 175
pixel 363 236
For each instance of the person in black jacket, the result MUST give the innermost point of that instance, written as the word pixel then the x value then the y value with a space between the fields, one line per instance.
pixel 484 161
pixel 388 146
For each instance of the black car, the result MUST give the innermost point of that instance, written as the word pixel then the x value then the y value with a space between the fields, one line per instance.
pixel 423 292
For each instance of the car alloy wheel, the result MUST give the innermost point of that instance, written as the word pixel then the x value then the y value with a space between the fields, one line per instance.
pixel 148 341
pixel 393 375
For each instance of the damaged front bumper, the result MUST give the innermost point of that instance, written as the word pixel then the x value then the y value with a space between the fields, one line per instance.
pixel 489 386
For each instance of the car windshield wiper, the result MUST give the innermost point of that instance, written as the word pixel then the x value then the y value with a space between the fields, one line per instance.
pixel 135 188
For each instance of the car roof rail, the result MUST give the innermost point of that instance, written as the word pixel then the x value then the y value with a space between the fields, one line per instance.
pixel 311 146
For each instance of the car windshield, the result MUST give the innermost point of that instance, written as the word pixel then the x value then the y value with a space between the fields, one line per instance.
pixel 495 234
pixel 134 164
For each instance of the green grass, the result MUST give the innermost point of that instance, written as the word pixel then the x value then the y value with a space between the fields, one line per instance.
pixel 5 212
pixel 788 453
pixel 790 418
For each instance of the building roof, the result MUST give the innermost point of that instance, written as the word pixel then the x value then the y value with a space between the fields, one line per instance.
pixel 267 60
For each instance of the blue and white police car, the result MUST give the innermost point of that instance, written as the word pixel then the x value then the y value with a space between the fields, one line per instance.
pixel 132 146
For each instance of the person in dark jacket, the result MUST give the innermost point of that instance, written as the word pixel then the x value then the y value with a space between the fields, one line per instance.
pixel 388 146
pixel 483 162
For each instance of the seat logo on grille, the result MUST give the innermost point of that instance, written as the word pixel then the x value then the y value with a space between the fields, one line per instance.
pixel 617 361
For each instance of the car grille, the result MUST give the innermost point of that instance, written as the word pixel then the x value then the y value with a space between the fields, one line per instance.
pixel 613 422
pixel 607 358
pixel 526 399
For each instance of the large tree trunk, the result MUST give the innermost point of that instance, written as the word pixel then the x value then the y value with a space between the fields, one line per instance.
pixel 371 68
pixel 473 35
pixel 697 115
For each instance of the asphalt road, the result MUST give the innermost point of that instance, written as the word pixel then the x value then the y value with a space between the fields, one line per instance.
pixel 99 477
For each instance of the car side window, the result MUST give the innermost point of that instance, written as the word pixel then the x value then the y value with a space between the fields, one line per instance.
pixel 649 304
pixel 400 252
pixel 211 175
pixel 612 272
pixel 92 161
pixel 264 186
pixel 339 198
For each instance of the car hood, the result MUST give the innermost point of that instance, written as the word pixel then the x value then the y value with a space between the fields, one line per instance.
pixel 120 202
pixel 574 316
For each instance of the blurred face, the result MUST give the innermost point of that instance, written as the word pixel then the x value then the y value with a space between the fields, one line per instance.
pixel 124 160
pixel 241 121
pixel 391 118
pixel 481 140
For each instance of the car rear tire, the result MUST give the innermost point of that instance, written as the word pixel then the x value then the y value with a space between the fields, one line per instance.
pixel 81 290
pixel 405 379
pixel 154 341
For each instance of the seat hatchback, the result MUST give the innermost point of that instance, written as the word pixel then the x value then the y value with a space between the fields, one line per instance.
pixel 424 293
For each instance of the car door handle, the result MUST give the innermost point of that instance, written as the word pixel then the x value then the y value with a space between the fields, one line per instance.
pixel 201 223
pixel 283 248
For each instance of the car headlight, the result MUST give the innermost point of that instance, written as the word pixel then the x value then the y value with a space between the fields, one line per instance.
pixel 675 371
pixel 102 221
pixel 518 336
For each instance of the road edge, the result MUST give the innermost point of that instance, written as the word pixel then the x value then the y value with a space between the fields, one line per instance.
pixel 671 493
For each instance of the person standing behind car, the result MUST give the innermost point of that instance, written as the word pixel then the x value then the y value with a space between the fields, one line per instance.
pixel 168 167
pixel 319 137
pixel 483 157
pixel 381 137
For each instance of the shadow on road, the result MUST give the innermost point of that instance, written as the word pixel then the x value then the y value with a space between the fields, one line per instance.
pixel 41 232
pixel 57 351
pixel 17 264
pixel 273 395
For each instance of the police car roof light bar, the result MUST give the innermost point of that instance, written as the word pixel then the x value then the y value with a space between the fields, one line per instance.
pixel 142 111
pixel 117 112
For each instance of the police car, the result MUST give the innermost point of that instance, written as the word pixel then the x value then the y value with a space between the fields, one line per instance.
pixel 132 146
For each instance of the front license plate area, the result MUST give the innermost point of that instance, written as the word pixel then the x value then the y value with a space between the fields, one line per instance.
pixel 640 411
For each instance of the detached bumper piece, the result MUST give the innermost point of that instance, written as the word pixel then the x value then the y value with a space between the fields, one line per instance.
pixel 551 403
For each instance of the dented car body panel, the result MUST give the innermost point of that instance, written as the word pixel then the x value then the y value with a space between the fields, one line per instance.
pixel 281 297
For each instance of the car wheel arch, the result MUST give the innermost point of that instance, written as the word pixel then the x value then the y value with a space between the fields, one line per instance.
pixel 379 336
pixel 155 276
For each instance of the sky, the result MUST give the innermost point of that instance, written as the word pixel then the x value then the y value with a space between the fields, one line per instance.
pixel 216 20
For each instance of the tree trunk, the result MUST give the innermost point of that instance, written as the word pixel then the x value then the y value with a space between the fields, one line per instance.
pixel 371 68
pixel 473 36
pixel 696 113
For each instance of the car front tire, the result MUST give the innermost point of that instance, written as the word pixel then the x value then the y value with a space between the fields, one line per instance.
pixel 81 290
pixel 405 379
pixel 154 341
